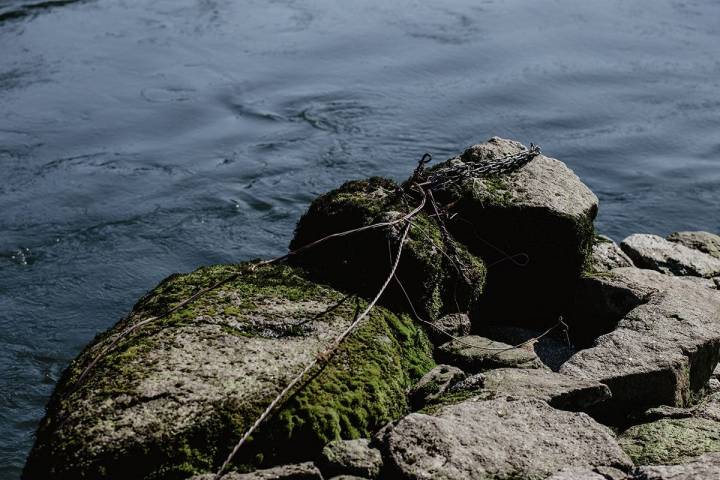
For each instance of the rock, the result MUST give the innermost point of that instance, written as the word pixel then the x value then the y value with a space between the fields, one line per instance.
pixel 524 224
pixel 597 473
pixel 433 384
pixel 671 258
pixel 360 262
pixel 706 242
pixel 560 391
pixel 474 354
pixel 663 349
pixel 174 397
pixel 671 440
pixel 552 349
pixel 348 477
pixel 497 439
pixel 351 457
pixel 704 467
pixel 299 471
pixel 455 324
pixel 607 255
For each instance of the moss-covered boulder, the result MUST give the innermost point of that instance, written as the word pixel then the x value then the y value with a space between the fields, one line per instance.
pixel 533 227
pixel 677 435
pixel 671 441
pixel 174 396
pixel 439 275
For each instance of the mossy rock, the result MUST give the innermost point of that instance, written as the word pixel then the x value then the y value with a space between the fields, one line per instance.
pixel 175 395
pixel 533 227
pixel 671 441
pixel 439 275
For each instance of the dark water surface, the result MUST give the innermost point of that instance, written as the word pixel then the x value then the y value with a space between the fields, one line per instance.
pixel 141 138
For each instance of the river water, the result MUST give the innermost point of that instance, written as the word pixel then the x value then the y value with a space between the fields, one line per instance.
pixel 143 138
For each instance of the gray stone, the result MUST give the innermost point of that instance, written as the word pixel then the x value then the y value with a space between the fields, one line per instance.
pixel 348 477
pixel 433 384
pixel 497 439
pixel 179 391
pixel 597 473
pixel 663 349
pixel 671 258
pixel 560 391
pixel 474 354
pixel 674 435
pixel 704 467
pixel 706 242
pixel 552 349
pixel 526 223
pixel 671 440
pixel 448 326
pixel 351 457
pixel 359 263
pixel 606 255
pixel 299 471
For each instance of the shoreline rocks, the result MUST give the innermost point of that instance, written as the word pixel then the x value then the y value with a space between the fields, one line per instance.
pixel 177 394
pixel 548 334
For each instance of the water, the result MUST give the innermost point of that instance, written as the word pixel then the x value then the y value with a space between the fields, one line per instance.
pixel 142 138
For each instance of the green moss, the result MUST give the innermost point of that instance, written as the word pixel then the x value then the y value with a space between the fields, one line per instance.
pixel 361 262
pixel 359 390
pixel 670 441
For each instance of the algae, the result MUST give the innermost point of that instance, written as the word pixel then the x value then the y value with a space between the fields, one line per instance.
pixel 174 396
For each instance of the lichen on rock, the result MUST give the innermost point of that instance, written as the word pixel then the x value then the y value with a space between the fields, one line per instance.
pixel 174 396
pixel 527 225
pixel 439 275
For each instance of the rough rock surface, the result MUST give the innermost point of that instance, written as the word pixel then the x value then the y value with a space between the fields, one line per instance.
pixel 560 391
pixel 704 467
pixel 597 473
pixel 173 396
pixel 706 242
pixel 455 324
pixel 672 258
pixel 351 457
pixel 677 435
pixel 607 255
pixel 299 471
pixel 664 348
pixel 474 354
pixel 360 263
pixel 433 385
pixel 552 349
pixel 670 440
pixel 497 439
pixel 524 224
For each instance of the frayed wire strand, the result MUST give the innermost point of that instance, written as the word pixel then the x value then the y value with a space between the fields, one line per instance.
pixel 322 357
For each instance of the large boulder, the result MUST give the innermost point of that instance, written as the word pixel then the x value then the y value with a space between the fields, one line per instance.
pixel 703 467
pixel 351 457
pixel 606 255
pixel 552 348
pixel 528 224
pixel 473 353
pixel 438 274
pixel 560 391
pixel 676 435
pixel 299 471
pixel 672 258
pixel 174 396
pixel 671 440
pixel 497 439
pixel 433 385
pixel 664 343
pixel 706 242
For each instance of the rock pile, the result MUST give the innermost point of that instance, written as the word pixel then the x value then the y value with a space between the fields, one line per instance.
pixel 560 354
